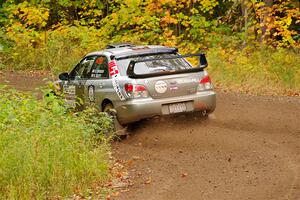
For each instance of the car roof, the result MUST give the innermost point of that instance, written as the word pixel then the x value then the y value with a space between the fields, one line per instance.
pixel 132 51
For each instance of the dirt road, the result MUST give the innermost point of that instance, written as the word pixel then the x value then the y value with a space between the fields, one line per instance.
pixel 24 81
pixel 248 149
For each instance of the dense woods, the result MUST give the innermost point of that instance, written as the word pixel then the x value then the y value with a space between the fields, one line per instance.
pixel 241 37
pixel 274 22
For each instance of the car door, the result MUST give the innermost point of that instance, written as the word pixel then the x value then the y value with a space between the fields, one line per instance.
pixel 74 87
pixel 98 84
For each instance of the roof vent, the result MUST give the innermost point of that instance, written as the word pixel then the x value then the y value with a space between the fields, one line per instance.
pixel 119 45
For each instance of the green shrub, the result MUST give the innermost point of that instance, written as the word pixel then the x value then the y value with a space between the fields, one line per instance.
pixel 46 151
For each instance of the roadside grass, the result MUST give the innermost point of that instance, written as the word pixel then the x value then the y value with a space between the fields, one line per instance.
pixel 261 72
pixel 48 151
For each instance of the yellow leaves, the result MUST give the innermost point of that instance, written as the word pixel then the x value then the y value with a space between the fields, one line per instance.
pixel 259 5
pixel 168 37
pixel 152 20
pixel 168 19
pixel 168 33
pixel 208 5
pixel 277 20
pixel 15 12
pixel 194 11
pixel 154 7
pixel 9 29
pixel 131 2
pixel 114 16
pixel 43 24
pixel 168 2
pixel 29 16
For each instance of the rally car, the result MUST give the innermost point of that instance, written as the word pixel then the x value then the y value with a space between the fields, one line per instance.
pixel 138 82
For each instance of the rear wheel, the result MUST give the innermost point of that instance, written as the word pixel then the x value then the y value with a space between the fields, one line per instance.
pixel 118 127
pixel 200 115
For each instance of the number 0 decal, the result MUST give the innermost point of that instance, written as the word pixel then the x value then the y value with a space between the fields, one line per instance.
pixel 91 91
pixel 114 73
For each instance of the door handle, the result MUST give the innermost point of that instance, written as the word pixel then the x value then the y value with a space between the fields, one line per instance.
pixel 101 85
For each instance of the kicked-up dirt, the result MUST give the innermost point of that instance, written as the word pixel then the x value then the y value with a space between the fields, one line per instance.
pixel 249 148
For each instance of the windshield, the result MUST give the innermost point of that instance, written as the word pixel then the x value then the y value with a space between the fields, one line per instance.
pixel 154 66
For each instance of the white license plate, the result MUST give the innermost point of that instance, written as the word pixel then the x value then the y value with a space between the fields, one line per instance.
pixel 177 107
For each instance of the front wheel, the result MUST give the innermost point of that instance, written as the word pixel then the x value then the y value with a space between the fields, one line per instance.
pixel 119 129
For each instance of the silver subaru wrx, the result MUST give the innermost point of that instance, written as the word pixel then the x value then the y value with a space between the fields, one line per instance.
pixel 138 82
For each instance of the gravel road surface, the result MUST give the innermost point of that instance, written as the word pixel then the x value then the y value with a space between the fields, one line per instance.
pixel 248 149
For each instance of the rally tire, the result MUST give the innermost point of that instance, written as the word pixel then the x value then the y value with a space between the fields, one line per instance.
pixel 119 129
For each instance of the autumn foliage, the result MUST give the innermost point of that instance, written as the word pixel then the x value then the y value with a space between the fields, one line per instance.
pixel 54 34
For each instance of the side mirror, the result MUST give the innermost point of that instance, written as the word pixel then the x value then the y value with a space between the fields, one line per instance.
pixel 202 61
pixel 64 76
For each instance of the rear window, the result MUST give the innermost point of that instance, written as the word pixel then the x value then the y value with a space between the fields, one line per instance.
pixel 154 66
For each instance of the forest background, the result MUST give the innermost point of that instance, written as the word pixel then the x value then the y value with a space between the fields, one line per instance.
pixel 252 45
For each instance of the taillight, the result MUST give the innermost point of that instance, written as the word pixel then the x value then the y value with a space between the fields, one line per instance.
pixel 205 84
pixel 205 79
pixel 128 88
pixel 135 91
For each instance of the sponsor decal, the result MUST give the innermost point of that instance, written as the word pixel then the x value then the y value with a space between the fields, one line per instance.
pixel 161 87
pixel 114 73
pixel 69 90
pixel 70 93
pixel 100 60
pixel 173 85
pixel 91 93
pixel 97 73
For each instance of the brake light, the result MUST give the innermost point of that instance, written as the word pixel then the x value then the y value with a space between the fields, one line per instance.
pixel 205 84
pixel 206 79
pixel 135 91
pixel 128 88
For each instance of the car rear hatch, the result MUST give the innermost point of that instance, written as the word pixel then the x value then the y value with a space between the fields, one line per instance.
pixel 172 85
pixel 167 75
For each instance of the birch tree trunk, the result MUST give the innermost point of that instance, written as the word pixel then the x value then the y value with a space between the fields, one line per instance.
pixel 263 20
pixel 244 7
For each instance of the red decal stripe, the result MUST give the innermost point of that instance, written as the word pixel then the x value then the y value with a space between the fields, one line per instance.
pixel 112 63
pixel 112 68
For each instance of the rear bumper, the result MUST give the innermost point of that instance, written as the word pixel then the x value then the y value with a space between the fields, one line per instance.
pixel 137 109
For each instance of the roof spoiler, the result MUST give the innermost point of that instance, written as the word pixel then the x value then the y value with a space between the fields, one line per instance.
pixel 118 45
pixel 202 64
pixel 145 52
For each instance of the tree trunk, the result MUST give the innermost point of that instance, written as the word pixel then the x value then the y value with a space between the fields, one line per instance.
pixel 263 19
pixel 244 10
